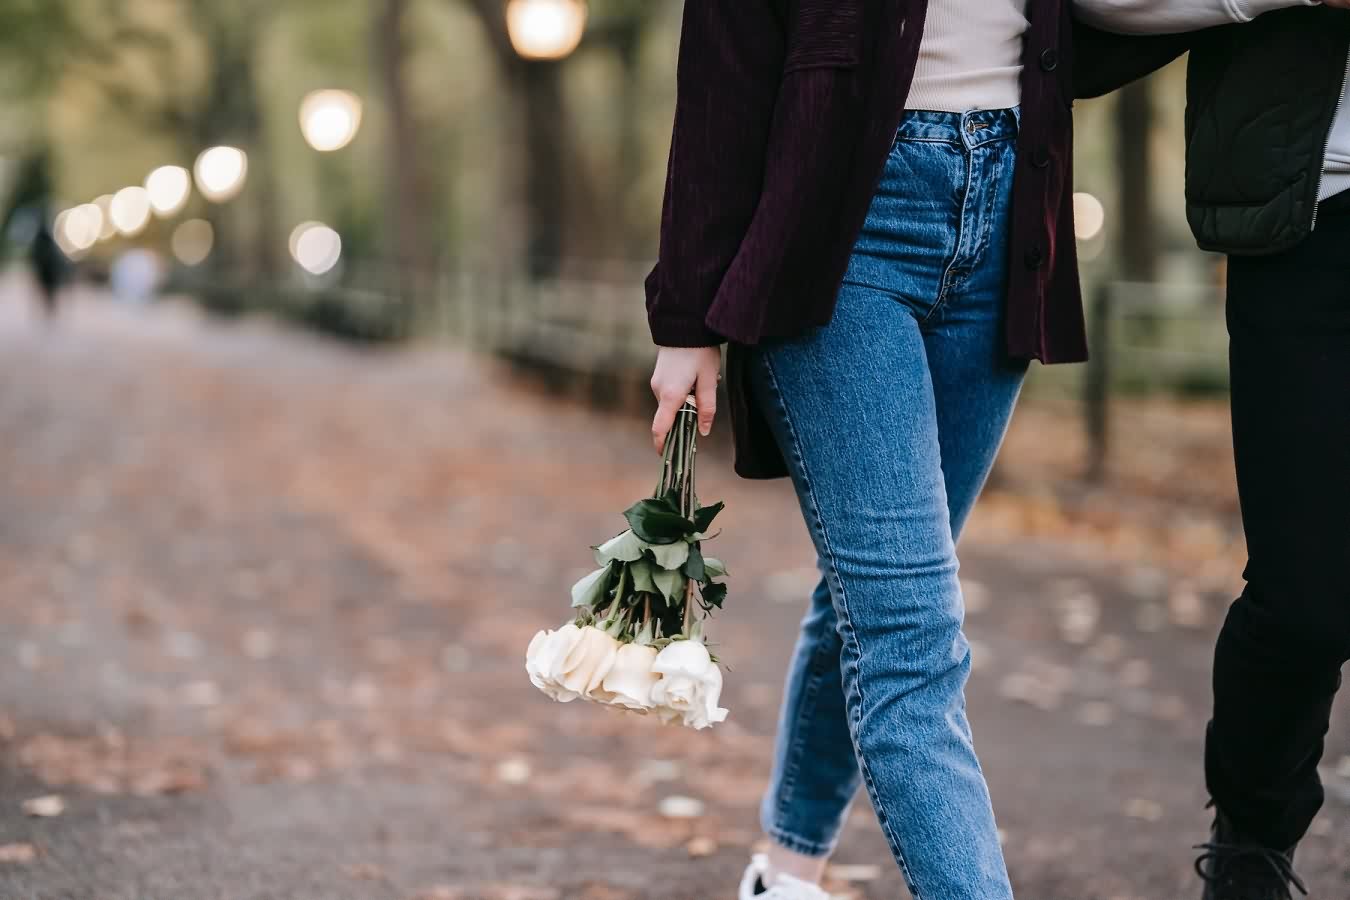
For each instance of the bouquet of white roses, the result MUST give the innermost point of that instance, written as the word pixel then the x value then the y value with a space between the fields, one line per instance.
pixel 636 642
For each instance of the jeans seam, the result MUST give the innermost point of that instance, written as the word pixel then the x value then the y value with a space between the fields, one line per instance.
pixel 944 287
pixel 845 620
pixel 987 208
pixel 797 844
pixel 792 764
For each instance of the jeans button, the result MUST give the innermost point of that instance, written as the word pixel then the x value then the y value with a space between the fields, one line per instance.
pixel 1050 59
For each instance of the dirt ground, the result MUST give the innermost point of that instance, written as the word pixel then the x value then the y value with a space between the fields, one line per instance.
pixel 264 600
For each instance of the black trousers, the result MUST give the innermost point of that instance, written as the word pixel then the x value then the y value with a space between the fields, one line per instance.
pixel 1278 662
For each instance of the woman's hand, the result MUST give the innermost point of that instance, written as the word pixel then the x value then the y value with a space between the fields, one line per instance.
pixel 681 371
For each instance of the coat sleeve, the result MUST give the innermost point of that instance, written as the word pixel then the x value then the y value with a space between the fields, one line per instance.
pixel 1174 16
pixel 730 64
pixel 1105 62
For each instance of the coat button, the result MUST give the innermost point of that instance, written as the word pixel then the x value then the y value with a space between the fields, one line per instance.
pixel 1040 158
pixel 1035 258
pixel 1050 59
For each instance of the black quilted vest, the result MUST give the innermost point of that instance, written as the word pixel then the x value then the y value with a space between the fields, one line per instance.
pixel 1260 100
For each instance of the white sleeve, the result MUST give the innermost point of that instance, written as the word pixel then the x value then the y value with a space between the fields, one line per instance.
pixel 1173 16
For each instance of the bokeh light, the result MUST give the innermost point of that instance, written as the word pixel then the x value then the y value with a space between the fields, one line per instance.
pixel 220 172
pixel 329 119
pixel 130 209
pixel 78 228
pixel 545 29
pixel 192 241
pixel 108 229
pixel 315 247
pixel 168 187
pixel 1089 216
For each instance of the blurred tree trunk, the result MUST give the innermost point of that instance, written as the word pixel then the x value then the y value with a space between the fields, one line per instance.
pixel 405 238
pixel 1134 166
pixel 536 87
pixel 546 175
pixel 630 143
pixel 230 112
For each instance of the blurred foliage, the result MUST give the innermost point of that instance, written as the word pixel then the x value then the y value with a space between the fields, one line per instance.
pixel 468 157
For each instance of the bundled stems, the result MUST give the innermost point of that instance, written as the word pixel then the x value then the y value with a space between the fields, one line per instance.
pixel 677 469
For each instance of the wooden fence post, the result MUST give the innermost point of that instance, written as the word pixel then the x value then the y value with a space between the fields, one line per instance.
pixel 1097 386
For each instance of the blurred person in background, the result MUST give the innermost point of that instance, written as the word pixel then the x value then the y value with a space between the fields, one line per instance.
pixel 871 204
pixel 48 261
pixel 1268 168
pixel 28 224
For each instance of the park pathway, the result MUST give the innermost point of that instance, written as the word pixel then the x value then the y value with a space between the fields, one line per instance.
pixel 263 604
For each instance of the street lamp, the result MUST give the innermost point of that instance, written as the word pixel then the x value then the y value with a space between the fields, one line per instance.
pixel 168 187
pixel 1089 216
pixel 107 229
pixel 77 229
pixel 329 119
pixel 545 29
pixel 192 241
pixel 316 247
pixel 130 209
pixel 220 172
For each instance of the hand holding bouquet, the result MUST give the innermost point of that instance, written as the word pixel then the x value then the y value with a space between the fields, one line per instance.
pixel 637 643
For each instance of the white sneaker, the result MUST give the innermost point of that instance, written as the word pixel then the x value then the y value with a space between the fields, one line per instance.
pixel 784 887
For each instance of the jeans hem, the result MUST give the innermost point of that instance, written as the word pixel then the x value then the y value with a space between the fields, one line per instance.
pixel 789 841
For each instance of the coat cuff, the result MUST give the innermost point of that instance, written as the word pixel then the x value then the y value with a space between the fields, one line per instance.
pixel 681 331
pixel 1246 10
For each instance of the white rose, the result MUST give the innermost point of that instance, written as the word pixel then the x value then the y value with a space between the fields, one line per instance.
pixel 544 659
pixel 631 679
pixel 588 662
pixel 690 684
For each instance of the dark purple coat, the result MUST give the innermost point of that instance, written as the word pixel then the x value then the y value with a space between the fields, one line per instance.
pixel 786 111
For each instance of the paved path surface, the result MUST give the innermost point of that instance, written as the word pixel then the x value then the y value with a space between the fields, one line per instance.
pixel 263 601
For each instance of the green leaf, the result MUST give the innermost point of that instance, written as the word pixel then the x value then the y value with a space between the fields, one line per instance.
pixel 591 590
pixel 658 521
pixel 625 547
pixel 670 556
pixel 670 584
pixel 714 566
pixel 714 594
pixel 695 567
pixel 704 515
pixel 641 572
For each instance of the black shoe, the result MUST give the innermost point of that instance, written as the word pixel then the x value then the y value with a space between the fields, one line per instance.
pixel 1235 867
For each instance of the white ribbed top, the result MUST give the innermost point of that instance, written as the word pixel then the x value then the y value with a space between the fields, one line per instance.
pixel 971 56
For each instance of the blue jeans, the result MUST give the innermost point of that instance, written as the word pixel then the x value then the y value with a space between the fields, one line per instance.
pixel 890 418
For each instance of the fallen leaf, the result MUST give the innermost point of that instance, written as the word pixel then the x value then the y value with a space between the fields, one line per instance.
pixel 1147 810
pixel 1096 713
pixel 259 644
pixel 701 846
pixel 365 872
pixel 200 693
pixel 513 771
pixel 679 807
pixel 1136 673
pixel 439 892
pixel 855 874
pixel 45 807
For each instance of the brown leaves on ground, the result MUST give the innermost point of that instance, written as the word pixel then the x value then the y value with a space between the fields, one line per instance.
pixel 111 764
pixel 17 853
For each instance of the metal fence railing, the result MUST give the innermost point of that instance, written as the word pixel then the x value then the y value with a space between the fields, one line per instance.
pixel 1149 338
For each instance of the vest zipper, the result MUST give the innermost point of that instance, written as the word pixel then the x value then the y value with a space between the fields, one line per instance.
pixel 1322 173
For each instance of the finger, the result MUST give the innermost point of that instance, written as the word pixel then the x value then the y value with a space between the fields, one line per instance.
pixel 705 396
pixel 665 418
